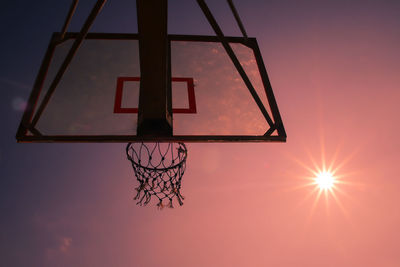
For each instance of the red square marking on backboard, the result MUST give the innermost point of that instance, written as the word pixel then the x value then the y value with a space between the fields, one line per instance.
pixel 120 87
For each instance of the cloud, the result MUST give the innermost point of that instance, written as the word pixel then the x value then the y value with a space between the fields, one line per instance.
pixel 61 249
pixel 58 245
pixel 65 244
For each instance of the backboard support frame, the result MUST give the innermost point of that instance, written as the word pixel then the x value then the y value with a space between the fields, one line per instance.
pixel 26 126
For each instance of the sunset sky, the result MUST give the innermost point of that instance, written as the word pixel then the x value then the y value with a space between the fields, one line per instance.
pixel 334 67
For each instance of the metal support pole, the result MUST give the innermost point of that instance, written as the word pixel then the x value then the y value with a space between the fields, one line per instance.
pixel 71 12
pixel 238 20
pixel 154 116
pixel 234 59
pixel 74 48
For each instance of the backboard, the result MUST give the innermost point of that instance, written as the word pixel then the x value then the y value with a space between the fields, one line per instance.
pixel 97 98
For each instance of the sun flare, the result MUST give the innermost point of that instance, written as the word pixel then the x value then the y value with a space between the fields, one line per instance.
pixel 325 180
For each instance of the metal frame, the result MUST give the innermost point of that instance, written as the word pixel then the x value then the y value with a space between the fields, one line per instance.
pixel 27 125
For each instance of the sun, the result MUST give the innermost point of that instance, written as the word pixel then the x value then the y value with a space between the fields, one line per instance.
pixel 325 180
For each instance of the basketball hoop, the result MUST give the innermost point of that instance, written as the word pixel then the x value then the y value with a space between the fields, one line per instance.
pixel 159 168
pixel 140 97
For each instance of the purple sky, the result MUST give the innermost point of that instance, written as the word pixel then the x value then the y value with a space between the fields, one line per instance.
pixel 334 68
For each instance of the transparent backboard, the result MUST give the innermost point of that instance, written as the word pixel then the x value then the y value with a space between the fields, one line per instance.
pixel 97 98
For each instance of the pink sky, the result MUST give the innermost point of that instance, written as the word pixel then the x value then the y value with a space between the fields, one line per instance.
pixel 334 68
